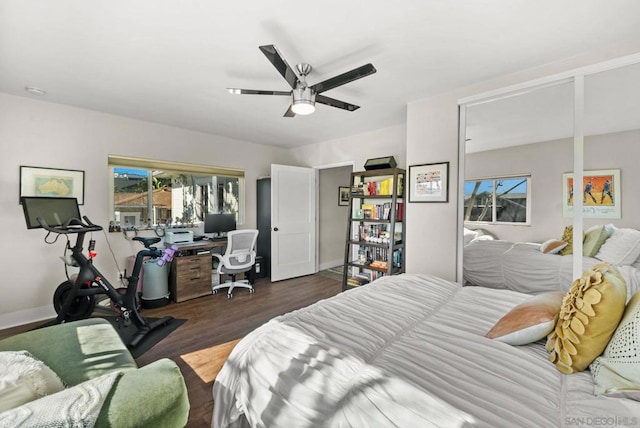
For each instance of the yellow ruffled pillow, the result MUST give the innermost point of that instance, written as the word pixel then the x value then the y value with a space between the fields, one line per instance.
pixel 589 315
pixel 567 236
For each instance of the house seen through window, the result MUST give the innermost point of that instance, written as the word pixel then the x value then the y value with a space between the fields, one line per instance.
pixel 148 195
pixel 497 200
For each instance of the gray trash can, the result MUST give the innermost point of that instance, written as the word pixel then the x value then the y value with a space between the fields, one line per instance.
pixel 155 287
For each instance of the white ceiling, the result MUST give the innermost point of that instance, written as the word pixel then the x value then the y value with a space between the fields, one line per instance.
pixel 171 61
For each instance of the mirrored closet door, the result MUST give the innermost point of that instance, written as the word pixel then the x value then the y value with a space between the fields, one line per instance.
pixel 519 148
pixel 517 145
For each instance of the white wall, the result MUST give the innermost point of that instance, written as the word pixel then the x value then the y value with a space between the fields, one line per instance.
pixel 432 136
pixel 546 162
pixel 431 227
pixel 36 133
pixel 357 148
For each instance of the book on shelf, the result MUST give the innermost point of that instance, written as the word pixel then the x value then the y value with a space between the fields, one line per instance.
pixel 400 188
pixel 380 264
pixel 368 211
pixel 364 274
pixel 386 186
pixel 357 190
pixel 357 280
pixel 379 188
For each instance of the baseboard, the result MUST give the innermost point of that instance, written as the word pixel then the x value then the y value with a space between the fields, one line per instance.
pixel 26 316
pixel 328 265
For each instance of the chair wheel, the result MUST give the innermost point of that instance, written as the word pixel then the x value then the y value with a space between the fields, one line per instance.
pixel 215 291
pixel 251 290
pixel 229 295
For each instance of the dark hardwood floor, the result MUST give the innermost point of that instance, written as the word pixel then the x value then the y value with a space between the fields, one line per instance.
pixel 214 324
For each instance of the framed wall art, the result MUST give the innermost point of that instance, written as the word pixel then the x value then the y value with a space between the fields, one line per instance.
pixel 343 195
pixel 429 182
pixel 601 194
pixel 52 182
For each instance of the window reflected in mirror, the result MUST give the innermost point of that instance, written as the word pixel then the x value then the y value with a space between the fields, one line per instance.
pixel 503 200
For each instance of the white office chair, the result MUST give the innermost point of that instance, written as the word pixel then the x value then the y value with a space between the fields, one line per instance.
pixel 240 256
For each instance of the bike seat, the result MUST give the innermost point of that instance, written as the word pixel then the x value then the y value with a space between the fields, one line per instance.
pixel 147 241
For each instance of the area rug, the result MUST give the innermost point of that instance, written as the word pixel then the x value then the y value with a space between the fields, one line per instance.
pixel 126 332
pixel 150 339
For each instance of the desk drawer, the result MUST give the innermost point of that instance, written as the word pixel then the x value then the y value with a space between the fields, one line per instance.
pixel 190 277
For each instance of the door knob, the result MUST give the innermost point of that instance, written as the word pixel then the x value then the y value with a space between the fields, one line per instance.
pixel 275 229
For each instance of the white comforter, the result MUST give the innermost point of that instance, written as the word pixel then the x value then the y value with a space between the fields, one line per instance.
pixel 403 351
pixel 520 266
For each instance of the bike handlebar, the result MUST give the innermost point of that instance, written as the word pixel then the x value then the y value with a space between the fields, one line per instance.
pixel 73 225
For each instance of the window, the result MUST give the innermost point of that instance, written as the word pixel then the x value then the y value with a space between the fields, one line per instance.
pixel 149 193
pixel 498 200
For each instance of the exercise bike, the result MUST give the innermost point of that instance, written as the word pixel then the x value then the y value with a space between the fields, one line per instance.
pixel 74 299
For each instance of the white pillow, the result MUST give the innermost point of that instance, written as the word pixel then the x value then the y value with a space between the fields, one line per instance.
pixel 553 246
pixel 469 235
pixel 622 247
pixel 617 370
pixel 483 238
pixel 23 378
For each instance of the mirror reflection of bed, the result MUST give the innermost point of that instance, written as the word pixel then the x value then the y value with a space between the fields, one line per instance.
pixel 531 134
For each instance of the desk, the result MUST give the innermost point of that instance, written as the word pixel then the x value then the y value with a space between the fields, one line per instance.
pixel 190 274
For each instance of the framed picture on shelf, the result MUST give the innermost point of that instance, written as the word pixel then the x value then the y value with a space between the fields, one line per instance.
pixel 52 182
pixel 429 182
pixel 601 195
pixel 343 195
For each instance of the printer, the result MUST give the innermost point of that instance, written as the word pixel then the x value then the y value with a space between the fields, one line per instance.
pixel 178 236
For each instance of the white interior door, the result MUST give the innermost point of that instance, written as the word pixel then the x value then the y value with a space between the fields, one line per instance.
pixel 293 222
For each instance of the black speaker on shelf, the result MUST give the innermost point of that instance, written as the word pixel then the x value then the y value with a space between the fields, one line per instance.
pixel 380 163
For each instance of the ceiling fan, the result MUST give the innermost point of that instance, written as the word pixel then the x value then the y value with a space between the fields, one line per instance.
pixel 304 96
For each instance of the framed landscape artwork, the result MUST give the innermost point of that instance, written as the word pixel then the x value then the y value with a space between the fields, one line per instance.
pixel 52 182
pixel 601 195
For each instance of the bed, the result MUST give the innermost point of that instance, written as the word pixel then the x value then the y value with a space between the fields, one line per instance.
pixel 521 266
pixel 406 350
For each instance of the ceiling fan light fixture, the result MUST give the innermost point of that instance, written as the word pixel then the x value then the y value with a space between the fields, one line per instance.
pixel 304 101
pixel 303 107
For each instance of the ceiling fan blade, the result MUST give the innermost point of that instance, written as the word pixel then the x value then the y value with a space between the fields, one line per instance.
pixel 349 76
pixel 289 113
pixel 336 103
pixel 272 54
pixel 256 92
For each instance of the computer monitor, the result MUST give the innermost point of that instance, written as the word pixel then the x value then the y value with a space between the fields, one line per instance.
pixel 219 224
pixel 54 211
